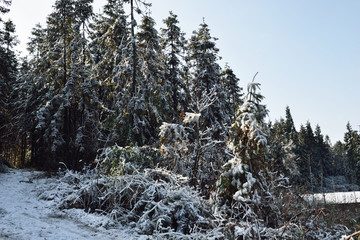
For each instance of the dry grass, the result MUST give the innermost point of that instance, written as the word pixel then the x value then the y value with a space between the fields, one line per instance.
pixel 345 214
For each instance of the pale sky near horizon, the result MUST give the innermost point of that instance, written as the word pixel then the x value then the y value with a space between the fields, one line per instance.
pixel 307 52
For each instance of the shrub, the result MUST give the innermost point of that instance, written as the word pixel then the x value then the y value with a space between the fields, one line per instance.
pixel 155 200
pixel 117 160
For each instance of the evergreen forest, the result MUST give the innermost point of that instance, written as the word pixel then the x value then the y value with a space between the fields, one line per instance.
pixel 113 94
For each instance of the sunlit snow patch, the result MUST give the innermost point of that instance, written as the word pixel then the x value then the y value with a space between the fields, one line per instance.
pixel 333 198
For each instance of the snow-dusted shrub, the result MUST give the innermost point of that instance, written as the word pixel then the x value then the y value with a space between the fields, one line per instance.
pixel 158 200
pixel 234 201
pixel 267 209
pixel 278 204
pixel 315 232
pixel 192 151
pixel 121 160
pixel 68 188
pixel 251 208
pixel 175 147
pixel 155 200
pixel 235 183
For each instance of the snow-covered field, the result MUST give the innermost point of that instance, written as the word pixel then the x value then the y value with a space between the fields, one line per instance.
pixel 334 198
pixel 24 217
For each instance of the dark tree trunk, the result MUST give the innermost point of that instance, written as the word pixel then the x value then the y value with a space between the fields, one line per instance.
pixel 134 49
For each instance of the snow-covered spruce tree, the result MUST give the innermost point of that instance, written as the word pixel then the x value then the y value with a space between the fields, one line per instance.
pixel 187 149
pixel 232 91
pixel 140 110
pixel 52 119
pixel 248 132
pixel 340 163
pixel 33 81
pixel 323 155
pixel 22 114
pixel 8 74
pixel 85 100
pixel 205 78
pixel 173 45
pixel 109 39
pixel 152 82
pixel 249 145
pixel 205 81
pixel 67 111
pixel 248 195
pixel 289 126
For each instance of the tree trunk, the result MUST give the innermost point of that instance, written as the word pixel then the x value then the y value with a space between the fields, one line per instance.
pixel 134 49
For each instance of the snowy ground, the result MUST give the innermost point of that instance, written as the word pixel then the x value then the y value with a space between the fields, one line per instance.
pixel 334 198
pixel 24 217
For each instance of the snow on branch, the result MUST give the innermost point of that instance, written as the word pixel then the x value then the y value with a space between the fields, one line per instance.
pixel 191 118
pixel 206 100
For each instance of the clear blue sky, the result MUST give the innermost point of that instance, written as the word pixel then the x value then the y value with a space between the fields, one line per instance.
pixel 307 52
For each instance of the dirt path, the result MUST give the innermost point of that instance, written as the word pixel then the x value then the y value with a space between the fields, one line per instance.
pixel 23 216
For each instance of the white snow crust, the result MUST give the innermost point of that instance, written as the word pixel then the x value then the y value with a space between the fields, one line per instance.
pixel 334 198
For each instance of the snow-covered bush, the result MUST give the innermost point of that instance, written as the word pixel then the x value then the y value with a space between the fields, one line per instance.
pixel 235 183
pixel 263 208
pixel 160 204
pixel 153 201
pixel 175 148
pixel 121 160
pixel 272 210
pixel 191 150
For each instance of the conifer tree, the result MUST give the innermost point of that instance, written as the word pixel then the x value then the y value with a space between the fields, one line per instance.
pixel 322 156
pixel 352 150
pixel 131 107
pixel 205 78
pixel 232 91
pixel 290 130
pixel 340 163
pixel 144 107
pixel 8 74
pixel 32 83
pixel 282 152
pixel 309 167
pixel 173 45
pixel 67 108
pixel 110 50
pixel 237 183
pixel 249 130
pixel 109 39
pixel 23 113
pixel 4 7
pixel 149 102
pixel 205 84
